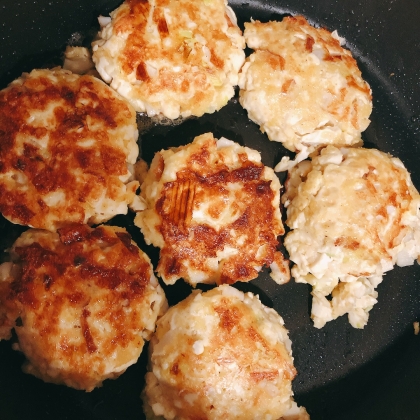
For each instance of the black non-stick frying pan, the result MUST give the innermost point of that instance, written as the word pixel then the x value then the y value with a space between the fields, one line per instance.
pixel 344 373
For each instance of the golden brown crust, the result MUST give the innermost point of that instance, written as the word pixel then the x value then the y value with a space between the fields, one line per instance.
pixel 171 57
pixel 63 267
pixel 199 242
pixel 58 154
pixel 137 52
pixel 213 206
pixel 84 299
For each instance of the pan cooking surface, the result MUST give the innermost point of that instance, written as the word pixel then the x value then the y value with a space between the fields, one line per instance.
pixel 344 373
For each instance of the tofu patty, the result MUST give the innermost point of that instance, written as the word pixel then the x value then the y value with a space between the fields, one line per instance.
pixel 173 58
pixel 221 355
pixel 67 145
pixel 82 302
pixel 213 210
pixel 302 87
pixel 354 213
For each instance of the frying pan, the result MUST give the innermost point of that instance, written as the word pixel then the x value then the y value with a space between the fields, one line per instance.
pixel 344 373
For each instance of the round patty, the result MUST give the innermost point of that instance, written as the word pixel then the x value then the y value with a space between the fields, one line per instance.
pixel 67 144
pixel 302 87
pixel 171 58
pixel 213 210
pixel 354 213
pixel 82 301
pixel 221 355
